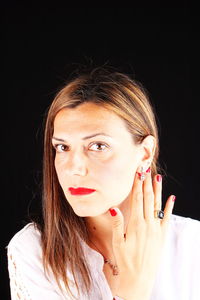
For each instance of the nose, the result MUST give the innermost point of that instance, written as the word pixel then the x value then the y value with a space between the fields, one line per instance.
pixel 77 163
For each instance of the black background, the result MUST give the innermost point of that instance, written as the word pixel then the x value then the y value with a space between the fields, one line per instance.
pixel 42 44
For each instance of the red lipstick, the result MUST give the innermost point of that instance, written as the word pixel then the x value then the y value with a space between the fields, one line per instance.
pixel 80 191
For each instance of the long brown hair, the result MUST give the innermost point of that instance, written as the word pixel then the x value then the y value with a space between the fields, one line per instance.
pixel 62 228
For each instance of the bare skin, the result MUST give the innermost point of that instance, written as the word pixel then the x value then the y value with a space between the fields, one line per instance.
pixel 139 256
pixel 144 231
pixel 112 172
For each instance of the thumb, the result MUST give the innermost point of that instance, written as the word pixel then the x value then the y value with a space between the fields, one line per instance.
pixel 117 221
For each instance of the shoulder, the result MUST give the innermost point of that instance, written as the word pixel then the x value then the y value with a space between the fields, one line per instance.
pixel 180 225
pixel 177 219
pixel 24 250
pixel 184 236
pixel 179 270
pixel 28 279
pixel 28 238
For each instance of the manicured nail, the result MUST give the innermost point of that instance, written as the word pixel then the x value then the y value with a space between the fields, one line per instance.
pixel 158 178
pixel 113 212
pixel 173 198
pixel 148 170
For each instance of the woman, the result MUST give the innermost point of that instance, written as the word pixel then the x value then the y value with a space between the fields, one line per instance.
pixel 104 234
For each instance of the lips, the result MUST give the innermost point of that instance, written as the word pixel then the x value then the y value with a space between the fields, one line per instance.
pixel 81 191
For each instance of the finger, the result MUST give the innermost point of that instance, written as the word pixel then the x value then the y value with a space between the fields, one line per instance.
pixel 157 187
pixel 136 199
pixel 117 221
pixel 168 211
pixel 148 201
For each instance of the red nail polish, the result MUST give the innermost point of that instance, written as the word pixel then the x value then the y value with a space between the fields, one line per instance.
pixel 158 178
pixel 148 170
pixel 173 198
pixel 113 212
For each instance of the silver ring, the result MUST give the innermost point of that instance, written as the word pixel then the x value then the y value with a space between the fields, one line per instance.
pixel 159 214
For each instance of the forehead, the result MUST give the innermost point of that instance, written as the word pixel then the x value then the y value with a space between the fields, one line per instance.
pixel 88 117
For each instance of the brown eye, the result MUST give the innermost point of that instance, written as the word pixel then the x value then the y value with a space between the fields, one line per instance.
pixel 60 148
pixel 100 147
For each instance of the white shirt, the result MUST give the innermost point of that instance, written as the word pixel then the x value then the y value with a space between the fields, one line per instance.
pixel 178 276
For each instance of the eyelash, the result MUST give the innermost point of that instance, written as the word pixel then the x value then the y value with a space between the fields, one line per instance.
pixel 57 145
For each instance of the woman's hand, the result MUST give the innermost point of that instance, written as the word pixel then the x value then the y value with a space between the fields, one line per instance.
pixel 138 256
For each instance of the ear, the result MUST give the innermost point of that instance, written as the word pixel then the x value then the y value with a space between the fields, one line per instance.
pixel 148 147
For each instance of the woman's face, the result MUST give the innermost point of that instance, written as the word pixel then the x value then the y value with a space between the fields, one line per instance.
pixel 106 163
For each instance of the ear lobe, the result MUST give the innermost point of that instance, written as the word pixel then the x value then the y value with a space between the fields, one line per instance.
pixel 148 145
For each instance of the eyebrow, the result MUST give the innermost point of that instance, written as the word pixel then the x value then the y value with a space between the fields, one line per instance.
pixel 84 138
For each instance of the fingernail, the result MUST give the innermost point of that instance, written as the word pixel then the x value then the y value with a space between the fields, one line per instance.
pixel 173 198
pixel 148 170
pixel 113 212
pixel 158 178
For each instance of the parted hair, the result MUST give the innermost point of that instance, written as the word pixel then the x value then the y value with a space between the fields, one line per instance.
pixel 61 229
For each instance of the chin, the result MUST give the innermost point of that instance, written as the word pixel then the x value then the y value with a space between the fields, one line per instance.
pixel 83 211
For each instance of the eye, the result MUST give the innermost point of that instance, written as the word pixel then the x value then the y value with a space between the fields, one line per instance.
pixel 99 147
pixel 60 147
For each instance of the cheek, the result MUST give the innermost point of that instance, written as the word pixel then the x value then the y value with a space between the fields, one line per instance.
pixel 117 178
pixel 113 177
pixel 59 167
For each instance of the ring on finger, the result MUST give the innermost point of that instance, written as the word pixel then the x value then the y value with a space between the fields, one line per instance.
pixel 159 214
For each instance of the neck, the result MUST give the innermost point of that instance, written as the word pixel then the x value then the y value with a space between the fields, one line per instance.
pixel 100 229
